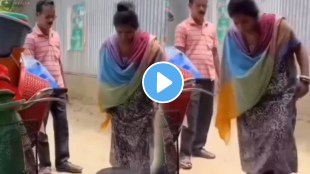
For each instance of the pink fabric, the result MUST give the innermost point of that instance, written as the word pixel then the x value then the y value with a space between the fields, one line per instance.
pixel 47 50
pixel 138 50
pixel 199 43
pixel 267 22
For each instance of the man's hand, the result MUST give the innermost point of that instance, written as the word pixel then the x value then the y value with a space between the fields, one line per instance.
pixel 216 60
pixel 68 99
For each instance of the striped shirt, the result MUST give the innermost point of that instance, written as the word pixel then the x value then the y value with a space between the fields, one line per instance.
pixel 199 43
pixel 47 50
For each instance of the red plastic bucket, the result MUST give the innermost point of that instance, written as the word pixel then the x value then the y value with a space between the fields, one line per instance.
pixel 176 110
pixel 30 85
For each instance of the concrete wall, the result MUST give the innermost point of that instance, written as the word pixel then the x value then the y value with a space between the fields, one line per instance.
pixel 85 89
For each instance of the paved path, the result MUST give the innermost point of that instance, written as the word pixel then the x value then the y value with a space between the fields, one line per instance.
pixel 90 147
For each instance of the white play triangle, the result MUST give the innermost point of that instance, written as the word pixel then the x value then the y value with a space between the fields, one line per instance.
pixel 162 82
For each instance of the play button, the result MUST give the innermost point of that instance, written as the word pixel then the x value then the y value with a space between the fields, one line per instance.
pixel 162 82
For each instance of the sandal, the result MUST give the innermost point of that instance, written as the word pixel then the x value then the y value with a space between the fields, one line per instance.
pixel 185 163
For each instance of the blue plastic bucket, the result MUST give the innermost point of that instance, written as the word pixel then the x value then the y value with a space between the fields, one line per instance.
pixel 179 59
pixel 34 67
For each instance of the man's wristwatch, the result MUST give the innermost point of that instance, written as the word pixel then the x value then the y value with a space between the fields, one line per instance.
pixel 304 79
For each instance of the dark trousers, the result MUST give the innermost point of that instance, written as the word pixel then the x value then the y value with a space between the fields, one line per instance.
pixel 61 133
pixel 199 116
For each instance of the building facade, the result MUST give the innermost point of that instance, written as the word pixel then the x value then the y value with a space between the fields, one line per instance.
pixel 98 25
pixel 84 25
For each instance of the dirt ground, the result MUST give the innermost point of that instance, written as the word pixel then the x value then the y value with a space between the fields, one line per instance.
pixel 90 147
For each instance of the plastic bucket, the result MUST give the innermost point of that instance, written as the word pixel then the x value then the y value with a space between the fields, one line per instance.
pixel 19 16
pixel 34 67
pixel 175 111
pixel 179 59
pixel 12 33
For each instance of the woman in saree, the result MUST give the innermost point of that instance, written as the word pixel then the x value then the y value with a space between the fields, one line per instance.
pixel 260 87
pixel 124 58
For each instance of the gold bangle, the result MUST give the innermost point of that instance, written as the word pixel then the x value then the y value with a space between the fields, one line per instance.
pixel 304 77
pixel 305 82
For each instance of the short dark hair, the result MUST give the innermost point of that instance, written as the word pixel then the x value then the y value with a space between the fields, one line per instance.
pixel 42 3
pixel 243 7
pixel 126 15
pixel 190 2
